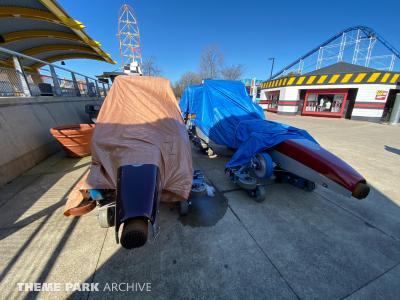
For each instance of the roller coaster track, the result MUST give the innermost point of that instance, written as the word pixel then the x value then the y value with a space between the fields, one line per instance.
pixel 368 32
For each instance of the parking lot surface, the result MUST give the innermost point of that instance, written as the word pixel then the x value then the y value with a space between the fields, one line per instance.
pixel 296 244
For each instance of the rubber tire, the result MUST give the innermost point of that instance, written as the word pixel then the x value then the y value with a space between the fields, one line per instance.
pixel 260 194
pixel 183 207
pixel 265 161
pixel 106 217
pixel 134 233
pixel 246 185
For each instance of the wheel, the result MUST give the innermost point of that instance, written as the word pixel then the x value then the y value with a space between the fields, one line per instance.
pixel 260 194
pixel 183 207
pixel 264 165
pixel 134 233
pixel 106 217
pixel 309 186
pixel 246 182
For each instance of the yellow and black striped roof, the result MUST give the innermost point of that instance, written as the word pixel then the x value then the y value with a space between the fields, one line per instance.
pixel 336 78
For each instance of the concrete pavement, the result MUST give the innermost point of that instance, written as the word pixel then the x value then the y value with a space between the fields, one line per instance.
pixel 296 244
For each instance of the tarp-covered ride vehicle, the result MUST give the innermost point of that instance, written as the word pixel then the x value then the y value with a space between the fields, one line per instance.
pixel 141 155
pixel 220 113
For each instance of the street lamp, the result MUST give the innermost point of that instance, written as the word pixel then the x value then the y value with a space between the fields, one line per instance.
pixel 272 66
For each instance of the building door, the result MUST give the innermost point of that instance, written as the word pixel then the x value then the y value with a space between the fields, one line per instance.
pixel 389 105
pixel 302 97
pixel 351 99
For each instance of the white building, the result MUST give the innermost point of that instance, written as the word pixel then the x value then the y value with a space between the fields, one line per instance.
pixel 341 90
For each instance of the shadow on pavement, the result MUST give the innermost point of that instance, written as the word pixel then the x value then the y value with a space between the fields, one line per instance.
pixel 20 203
pixel 26 208
pixel 392 149
pixel 306 246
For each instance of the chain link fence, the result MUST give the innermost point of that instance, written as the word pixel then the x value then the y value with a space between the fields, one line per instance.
pixel 10 84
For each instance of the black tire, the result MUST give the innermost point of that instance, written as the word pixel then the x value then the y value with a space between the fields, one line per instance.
pixel 183 207
pixel 134 233
pixel 260 194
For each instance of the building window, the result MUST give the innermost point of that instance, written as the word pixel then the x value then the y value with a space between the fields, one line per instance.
pixel 325 102
pixel 272 100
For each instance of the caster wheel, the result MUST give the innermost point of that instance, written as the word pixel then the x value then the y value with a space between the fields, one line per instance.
pixel 247 183
pixel 106 217
pixel 260 194
pixel 183 207
pixel 134 233
pixel 309 186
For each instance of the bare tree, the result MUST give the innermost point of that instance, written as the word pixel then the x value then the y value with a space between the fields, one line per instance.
pixel 188 78
pixel 233 72
pixel 150 68
pixel 211 61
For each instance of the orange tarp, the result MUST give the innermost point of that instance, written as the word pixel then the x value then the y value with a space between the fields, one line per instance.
pixel 140 123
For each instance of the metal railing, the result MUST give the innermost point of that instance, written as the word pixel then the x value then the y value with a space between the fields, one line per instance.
pixel 47 80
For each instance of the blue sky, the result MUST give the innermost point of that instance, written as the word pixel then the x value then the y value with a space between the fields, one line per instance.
pixel 247 32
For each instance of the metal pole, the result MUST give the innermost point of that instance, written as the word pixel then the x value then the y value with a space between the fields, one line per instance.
pixel 369 51
pixel 392 62
pixel 301 65
pixel 272 66
pixel 104 89
pixel 97 89
pixel 57 88
pixel 76 87
pixel 342 47
pixel 87 87
pixel 320 58
pixel 254 89
pixel 395 114
pixel 356 49
pixel 22 77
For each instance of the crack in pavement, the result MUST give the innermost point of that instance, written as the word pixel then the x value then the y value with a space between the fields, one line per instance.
pixel 366 222
pixel 98 260
pixel 371 281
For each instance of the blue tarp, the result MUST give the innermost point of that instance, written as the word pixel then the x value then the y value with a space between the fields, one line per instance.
pixel 226 114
